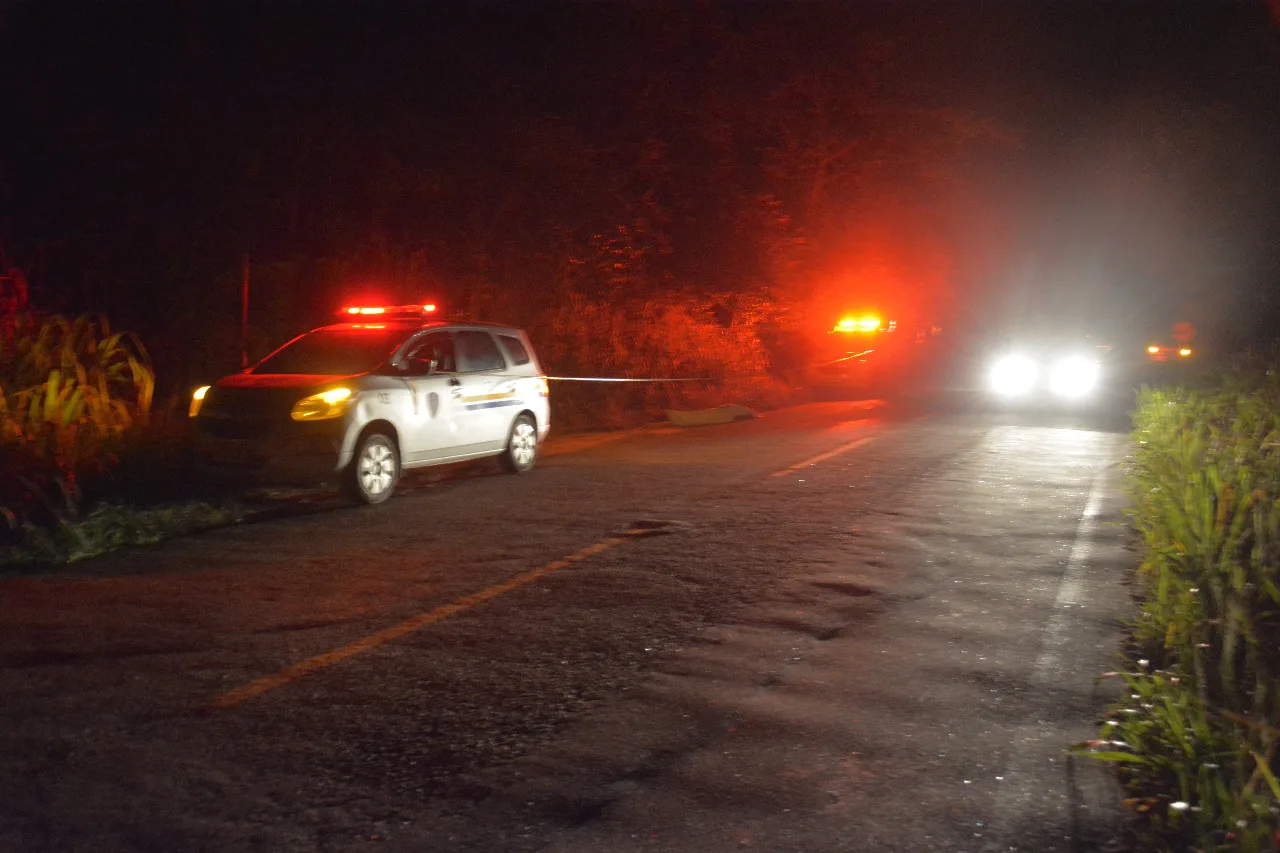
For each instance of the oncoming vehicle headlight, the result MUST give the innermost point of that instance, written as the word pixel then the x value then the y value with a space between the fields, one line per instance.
pixel 197 400
pixel 1073 376
pixel 322 406
pixel 1013 375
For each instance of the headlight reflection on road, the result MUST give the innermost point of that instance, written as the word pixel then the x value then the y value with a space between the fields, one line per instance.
pixel 1013 375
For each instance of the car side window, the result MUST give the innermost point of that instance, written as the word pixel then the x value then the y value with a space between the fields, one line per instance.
pixel 515 349
pixel 438 347
pixel 477 351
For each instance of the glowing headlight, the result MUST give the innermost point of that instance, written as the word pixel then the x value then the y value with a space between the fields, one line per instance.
pixel 1013 375
pixel 1074 376
pixel 322 406
pixel 197 400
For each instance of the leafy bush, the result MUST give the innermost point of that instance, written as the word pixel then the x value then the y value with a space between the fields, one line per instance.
pixel 1198 744
pixel 71 391
pixel 77 434
pixel 715 361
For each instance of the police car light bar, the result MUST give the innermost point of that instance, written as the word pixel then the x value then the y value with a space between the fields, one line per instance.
pixel 403 310
pixel 858 324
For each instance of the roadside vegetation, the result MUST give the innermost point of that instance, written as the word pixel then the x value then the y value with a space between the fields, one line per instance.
pixel 708 348
pixel 1196 738
pixel 87 466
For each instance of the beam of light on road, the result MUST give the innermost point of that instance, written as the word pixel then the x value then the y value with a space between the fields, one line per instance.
pixel 422 620
pixel 822 457
pixel 1015 801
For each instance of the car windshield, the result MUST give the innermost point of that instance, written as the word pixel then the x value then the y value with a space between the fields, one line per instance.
pixel 333 352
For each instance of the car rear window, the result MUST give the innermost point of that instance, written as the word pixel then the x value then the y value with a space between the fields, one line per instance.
pixel 333 352
pixel 515 349
pixel 477 351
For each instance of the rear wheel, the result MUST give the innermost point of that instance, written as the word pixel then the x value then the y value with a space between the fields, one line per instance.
pixel 374 470
pixel 522 446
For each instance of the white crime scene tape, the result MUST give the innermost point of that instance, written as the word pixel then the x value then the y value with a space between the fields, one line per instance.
pixel 604 379
pixel 848 357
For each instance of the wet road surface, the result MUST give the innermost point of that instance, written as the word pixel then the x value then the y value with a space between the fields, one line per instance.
pixel 838 627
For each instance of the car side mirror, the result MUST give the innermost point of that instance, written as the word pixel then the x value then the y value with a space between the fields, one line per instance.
pixel 418 366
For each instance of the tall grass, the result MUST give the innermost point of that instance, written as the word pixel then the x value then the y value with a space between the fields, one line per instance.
pixel 1197 740
pixel 71 387
pixel 80 445
pixel 72 394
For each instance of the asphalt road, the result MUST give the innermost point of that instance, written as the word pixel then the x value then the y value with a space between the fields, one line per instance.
pixel 840 627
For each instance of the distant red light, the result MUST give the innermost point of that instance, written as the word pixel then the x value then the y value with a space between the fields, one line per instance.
pixel 406 311
pixel 858 324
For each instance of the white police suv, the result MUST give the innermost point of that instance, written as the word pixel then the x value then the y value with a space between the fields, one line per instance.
pixel 359 402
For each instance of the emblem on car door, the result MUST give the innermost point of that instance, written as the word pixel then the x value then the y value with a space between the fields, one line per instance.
pixel 433 403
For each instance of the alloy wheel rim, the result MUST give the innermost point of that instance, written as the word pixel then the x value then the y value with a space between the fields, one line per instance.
pixel 523 444
pixel 376 469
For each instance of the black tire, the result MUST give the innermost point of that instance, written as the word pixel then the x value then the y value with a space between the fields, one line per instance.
pixel 521 452
pixel 374 470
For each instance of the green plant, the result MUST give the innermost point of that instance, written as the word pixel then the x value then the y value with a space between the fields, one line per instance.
pixel 71 391
pixel 1183 768
pixel 71 386
pixel 1198 740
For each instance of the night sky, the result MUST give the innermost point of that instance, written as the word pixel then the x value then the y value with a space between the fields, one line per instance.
pixel 1114 164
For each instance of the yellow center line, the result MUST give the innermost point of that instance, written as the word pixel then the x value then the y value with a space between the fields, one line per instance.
pixel 822 457
pixel 307 667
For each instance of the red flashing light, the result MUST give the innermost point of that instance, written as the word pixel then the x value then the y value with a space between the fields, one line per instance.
pixel 858 324
pixel 379 310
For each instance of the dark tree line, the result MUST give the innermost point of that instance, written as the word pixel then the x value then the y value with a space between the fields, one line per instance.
pixel 504 159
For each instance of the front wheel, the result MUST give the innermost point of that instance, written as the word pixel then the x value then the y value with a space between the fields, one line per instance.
pixel 374 470
pixel 522 446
